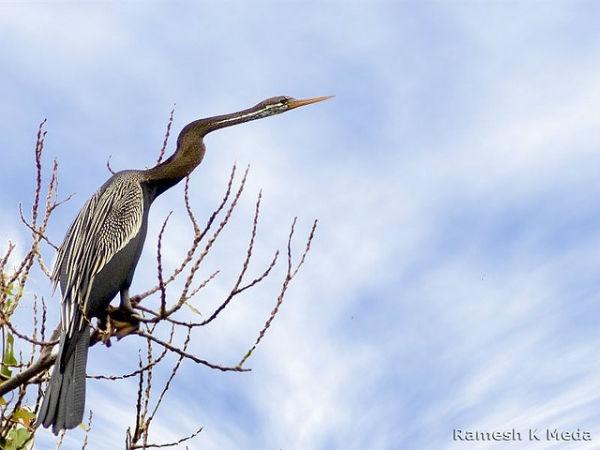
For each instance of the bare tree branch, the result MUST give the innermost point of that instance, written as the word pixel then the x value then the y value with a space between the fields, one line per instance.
pixel 163 292
pixel 196 241
pixel 5 321
pixel 155 315
pixel 189 355
pixel 289 276
pixel 168 383
pixel 43 363
pixel 161 154
pixel 110 169
pixel 87 430
pixel 170 444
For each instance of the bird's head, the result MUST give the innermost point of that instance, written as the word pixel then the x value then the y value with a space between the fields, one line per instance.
pixel 277 105
pixel 266 108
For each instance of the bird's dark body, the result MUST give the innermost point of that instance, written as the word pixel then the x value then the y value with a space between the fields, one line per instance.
pixel 118 272
pixel 65 398
pixel 100 252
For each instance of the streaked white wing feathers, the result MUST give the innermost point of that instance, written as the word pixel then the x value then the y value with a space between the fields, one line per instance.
pixel 104 226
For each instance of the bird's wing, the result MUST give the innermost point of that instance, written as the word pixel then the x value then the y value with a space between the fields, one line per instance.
pixel 105 224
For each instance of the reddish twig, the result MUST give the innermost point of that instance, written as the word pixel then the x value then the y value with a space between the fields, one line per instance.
pixel 189 355
pixel 161 283
pixel 161 154
pixel 110 169
pixel 216 234
pixel 168 383
pixel 188 208
pixel 197 239
pixel 170 444
pixel 289 276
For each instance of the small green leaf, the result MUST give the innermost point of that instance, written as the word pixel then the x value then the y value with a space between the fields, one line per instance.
pixel 7 304
pixel 2 401
pixel 196 310
pixel 17 438
pixel 23 413
pixel 9 356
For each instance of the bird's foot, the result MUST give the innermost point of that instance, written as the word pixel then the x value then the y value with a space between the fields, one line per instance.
pixel 124 321
pixel 105 330
pixel 126 307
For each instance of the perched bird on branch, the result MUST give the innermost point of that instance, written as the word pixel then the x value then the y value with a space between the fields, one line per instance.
pixel 98 256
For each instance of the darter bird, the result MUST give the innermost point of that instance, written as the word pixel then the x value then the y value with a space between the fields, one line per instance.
pixel 98 256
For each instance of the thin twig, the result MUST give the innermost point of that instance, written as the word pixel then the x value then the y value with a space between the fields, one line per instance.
pixel 34 230
pixel 110 169
pixel 43 327
pixel 189 355
pixel 200 287
pixel 188 208
pixel 157 317
pixel 147 393
pixel 138 405
pixel 161 283
pixel 289 276
pixel 234 290
pixel 5 321
pixel 170 444
pixel 87 430
pixel 45 360
pixel 130 374
pixel 307 249
pixel 61 436
pixel 264 275
pixel 168 383
pixel 39 146
pixel 35 326
pixel 213 238
pixel 167 133
pixel 197 239
pixel 4 260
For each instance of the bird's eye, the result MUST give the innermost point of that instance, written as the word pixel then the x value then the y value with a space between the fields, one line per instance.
pixel 280 102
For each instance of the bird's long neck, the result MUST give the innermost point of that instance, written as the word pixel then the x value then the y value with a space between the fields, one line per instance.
pixel 190 146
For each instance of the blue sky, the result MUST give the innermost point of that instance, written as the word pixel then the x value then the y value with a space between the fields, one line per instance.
pixel 453 282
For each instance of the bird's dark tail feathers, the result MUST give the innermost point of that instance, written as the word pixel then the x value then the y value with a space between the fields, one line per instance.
pixel 64 400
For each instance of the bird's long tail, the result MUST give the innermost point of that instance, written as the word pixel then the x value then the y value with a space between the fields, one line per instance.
pixel 64 400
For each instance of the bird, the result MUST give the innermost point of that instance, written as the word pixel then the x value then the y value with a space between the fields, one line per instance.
pixel 101 249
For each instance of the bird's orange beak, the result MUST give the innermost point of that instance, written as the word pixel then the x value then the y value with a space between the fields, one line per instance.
pixel 297 103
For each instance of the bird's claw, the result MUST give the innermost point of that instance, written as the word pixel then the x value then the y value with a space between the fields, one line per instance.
pixel 124 321
pixel 106 332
